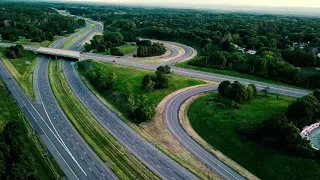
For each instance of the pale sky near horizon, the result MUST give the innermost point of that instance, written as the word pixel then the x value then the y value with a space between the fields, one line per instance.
pixel 270 3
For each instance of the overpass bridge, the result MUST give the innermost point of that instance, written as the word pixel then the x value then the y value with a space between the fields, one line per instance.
pixel 49 51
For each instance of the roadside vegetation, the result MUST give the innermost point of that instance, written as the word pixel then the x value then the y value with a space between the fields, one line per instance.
pixel 35 22
pixel 22 69
pixel 271 47
pixel 22 40
pixel 122 163
pixel 133 98
pixel 261 134
pixel 23 156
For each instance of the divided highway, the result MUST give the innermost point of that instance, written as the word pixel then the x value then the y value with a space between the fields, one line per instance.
pixel 149 155
pixel 153 158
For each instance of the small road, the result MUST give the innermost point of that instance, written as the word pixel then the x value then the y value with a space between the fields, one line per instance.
pixel 172 122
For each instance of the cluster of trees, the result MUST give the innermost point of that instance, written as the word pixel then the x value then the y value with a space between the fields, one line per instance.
pixel 236 91
pixel 146 49
pixel 139 108
pixel 102 80
pixel 266 64
pixel 34 22
pixel 159 81
pixel 15 161
pixel 107 41
pixel 14 52
pixel 283 130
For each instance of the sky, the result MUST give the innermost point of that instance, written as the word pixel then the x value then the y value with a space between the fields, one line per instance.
pixel 268 3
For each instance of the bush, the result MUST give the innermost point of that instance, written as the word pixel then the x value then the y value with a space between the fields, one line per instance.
pixel 140 110
pixel 115 51
pixel 223 86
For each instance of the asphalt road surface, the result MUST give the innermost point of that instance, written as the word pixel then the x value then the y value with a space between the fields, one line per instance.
pixel 172 122
pixel 149 155
pixel 157 161
pixel 282 90
pixel 79 158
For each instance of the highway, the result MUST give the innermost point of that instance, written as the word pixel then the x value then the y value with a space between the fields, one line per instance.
pixel 149 155
pixel 157 161
pixel 79 157
pixel 56 128
pixel 172 122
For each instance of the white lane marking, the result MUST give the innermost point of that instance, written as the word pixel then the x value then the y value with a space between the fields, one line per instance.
pixel 177 98
pixel 27 107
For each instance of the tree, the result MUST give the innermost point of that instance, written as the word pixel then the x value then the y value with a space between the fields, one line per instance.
pixel 101 48
pixel 147 83
pixel 113 37
pixel 223 86
pixel 253 86
pixel 304 111
pixel 115 51
pixel 265 91
pixel 316 94
pixel 250 92
pixel 237 92
pixel 10 54
pixel 87 47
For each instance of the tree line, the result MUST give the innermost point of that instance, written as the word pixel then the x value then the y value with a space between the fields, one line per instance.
pixel 15 161
pixel 282 43
pixel 14 52
pixel 35 22
pixel 283 130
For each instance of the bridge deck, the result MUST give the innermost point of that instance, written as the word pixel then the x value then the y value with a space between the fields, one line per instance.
pixel 58 52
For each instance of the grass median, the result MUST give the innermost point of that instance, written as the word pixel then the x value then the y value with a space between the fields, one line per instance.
pixel 22 70
pixel 46 167
pixel 122 163
pixel 159 136
pixel 216 124
pixel 77 38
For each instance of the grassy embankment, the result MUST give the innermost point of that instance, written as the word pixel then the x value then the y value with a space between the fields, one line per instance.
pixel 9 111
pixel 217 126
pixel 23 41
pixel 133 76
pixel 233 74
pixel 125 49
pixel 21 71
pixel 123 164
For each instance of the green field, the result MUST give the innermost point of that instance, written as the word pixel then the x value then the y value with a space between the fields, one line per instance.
pixel 233 74
pixel 21 71
pixel 133 76
pixel 9 111
pixel 127 49
pixel 217 125
pixel 122 163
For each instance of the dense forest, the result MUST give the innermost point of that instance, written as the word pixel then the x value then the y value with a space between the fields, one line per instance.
pixel 35 22
pixel 15 161
pixel 270 46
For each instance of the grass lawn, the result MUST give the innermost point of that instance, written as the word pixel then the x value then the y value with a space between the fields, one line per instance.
pixel 75 39
pixel 122 163
pixel 133 76
pixel 21 71
pixel 9 111
pixel 233 74
pixel 25 41
pixel 218 127
pixel 128 48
